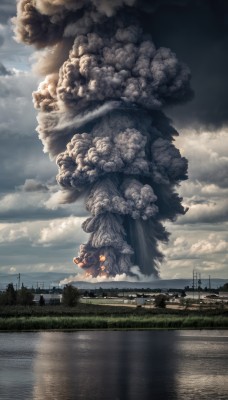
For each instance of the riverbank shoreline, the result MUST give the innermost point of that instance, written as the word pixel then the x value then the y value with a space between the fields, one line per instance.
pixel 113 323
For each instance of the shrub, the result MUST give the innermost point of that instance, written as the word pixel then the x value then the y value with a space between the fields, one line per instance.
pixel 25 297
pixel 42 300
pixel 70 296
pixel 160 301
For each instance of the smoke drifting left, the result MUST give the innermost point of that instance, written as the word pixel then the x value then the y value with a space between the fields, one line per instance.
pixel 99 114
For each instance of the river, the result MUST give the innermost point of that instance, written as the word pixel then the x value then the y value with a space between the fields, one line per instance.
pixel 114 365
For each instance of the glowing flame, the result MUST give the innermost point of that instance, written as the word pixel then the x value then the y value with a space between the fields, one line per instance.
pixel 89 262
pixel 78 262
pixel 103 274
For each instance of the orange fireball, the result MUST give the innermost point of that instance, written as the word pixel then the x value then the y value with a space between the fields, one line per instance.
pixel 102 258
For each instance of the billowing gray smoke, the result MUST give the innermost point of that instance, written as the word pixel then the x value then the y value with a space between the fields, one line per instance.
pixel 99 114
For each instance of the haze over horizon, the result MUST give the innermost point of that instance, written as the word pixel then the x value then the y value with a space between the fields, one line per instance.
pixel 38 234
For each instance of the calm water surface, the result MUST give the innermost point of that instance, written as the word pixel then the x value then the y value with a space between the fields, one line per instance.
pixel 114 365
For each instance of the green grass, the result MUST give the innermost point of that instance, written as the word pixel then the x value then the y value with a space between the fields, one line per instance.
pixel 91 316
pixel 101 310
pixel 112 322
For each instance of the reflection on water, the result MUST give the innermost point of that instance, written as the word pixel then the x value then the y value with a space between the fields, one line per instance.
pixel 202 370
pixel 104 365
pixel 114 365
pixel 17 355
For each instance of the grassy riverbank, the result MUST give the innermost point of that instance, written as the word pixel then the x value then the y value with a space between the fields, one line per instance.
pixel 106 317
pixel 113 322
pixel 83 309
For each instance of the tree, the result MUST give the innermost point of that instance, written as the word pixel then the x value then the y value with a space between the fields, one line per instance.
pixel 224 287
pixel 3 299
pixel 11 295
pixel 25 297
pixel 70 296
pixel 42 300
pixel 160 301
pixel 185 302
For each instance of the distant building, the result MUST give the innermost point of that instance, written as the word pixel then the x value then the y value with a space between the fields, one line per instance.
pixel 140 301
pixel 49 298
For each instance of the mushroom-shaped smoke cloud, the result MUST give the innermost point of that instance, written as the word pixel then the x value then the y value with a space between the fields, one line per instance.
pixel 99 114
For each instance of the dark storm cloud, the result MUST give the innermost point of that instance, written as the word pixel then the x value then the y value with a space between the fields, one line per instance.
pixel 20 152
pixel 33 255
pixel 7 10
pixel 22 166
pixel 197 31
pixel 32 213
pixel 4 71
pixel 16 111
pixel 1 40
pixel 214 173
pixel 21 206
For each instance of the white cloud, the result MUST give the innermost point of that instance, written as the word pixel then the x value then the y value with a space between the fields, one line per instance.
pixel 62 232
pixel 13 234
pixel 207 155
pixel 195 249
pixel 82 276
pixel 206 190
pixel 22 206
pixel 56 201
pixel 206 247
pixel 10 233
pixel 21 201
pixel 65 231
pixel 33 185
pixel 205 212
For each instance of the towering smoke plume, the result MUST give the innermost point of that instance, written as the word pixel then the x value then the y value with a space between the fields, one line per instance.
pixel 99 114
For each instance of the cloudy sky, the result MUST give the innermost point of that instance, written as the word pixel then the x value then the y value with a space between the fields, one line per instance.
pixel 37 235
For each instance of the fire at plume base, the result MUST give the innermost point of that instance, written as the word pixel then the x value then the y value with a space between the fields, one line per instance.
pixel 103 262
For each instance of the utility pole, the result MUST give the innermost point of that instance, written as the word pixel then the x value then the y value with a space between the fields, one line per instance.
pixel 194 281
pixel 209 282
pixel 19 281
pixel 199 285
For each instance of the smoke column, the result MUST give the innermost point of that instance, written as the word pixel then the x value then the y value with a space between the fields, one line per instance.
pixel 100 116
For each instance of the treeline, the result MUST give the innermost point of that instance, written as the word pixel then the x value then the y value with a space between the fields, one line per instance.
pixel 224 288
pixel 11 297
pixel 25 296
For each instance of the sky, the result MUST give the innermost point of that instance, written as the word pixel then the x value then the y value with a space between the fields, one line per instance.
pixel 37 234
